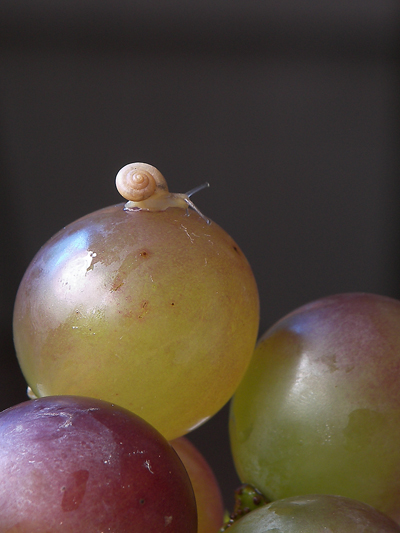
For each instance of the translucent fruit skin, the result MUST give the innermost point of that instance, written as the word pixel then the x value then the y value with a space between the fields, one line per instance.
pixel 318 410
pixel 70 464
pixel 155 311
pixel 315 514
pixel 210 507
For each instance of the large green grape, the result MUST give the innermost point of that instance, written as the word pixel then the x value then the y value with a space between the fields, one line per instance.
pixel 156 311
pixel 315 514
pixel 318 410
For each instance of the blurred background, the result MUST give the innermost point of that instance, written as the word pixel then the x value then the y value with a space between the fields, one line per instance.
pixel 289 108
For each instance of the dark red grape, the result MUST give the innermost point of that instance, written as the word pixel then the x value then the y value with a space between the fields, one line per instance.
pixel 70 464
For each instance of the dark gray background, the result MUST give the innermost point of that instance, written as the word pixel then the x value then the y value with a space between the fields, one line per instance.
pixel 289 108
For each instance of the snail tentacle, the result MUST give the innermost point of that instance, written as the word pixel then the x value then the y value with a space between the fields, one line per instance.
pixel 197 189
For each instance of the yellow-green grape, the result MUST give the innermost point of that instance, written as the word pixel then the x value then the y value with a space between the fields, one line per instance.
pixel 151 307
pixel 318 410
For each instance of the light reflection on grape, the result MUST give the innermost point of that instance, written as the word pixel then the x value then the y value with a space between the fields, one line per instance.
pixel 62 250
pixel 77 277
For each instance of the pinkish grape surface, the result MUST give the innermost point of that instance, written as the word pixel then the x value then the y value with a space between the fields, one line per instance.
pixel 70 464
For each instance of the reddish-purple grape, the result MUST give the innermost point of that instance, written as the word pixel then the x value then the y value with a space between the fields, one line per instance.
pixel 71 464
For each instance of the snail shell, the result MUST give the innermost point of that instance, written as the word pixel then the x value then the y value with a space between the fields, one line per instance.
pixel 138 181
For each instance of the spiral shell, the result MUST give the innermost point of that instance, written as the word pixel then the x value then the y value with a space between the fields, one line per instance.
pixel 138 181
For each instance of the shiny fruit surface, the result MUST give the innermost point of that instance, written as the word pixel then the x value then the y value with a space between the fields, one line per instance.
pixel 315 514
pixel 70 464
pixel 318 410
pixel 155 311
pixel 210 507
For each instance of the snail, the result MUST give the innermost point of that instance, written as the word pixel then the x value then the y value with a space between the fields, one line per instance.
pixel 145 188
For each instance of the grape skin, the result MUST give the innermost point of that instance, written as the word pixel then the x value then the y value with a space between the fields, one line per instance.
pixel 210 507
pixel 315 514
pixel 155 311
pixel 319 408
pixel 84 465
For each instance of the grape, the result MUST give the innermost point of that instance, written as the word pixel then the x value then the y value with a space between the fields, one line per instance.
pixel 318 410
pixel 210 508
pixel 156 311
pixel 87 466
pixel 315 514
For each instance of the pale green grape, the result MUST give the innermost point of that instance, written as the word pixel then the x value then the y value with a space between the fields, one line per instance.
pixel 315 514
pixel 318 410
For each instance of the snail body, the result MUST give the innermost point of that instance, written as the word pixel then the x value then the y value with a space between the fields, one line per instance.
pixel 145 188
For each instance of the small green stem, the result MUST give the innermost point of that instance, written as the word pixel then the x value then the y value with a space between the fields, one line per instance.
pixel 247 498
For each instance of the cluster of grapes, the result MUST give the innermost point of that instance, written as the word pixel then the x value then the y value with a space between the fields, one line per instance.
pixel 137 323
